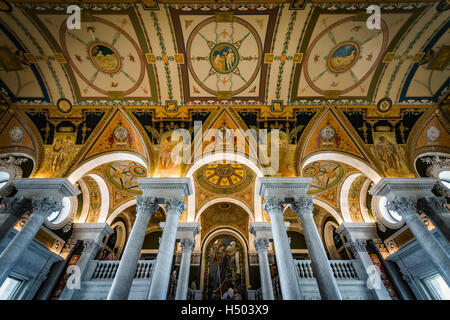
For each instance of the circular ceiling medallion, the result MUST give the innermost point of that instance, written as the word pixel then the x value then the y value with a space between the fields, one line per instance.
pixel 433 133
pixel 138 171
pixel 224 206
pixel 120 133
pixel 64 105
pixel 328 133
pixel 343 57
pixel 384 105
pixel 347 53
pixel 122 175
pixel 224 177
pixel 104 57
pixel 15 134
pixel 224 57
pixel 326 175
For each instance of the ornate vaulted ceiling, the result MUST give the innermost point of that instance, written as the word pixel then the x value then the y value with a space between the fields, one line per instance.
pixel 136 71
pixel 194 54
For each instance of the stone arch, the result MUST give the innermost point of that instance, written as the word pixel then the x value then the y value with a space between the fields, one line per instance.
pixel 86 167
pixel 220 157
pixel 349 160
pixel 207 239
pixel 224 199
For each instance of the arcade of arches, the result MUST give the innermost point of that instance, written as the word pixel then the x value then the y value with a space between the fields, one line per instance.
pixel 94 122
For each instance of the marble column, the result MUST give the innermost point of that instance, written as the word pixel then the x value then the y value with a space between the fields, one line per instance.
pixel 92 235
pixel 356 234
pixel 45 196
pixel 406 207
pixel 402 195
pixel 46 290
pixel 13 210
pixel 41 208
pixel 261 245
pixel 90 250
pixel 398 282
pixel 328 288
pixel 120 289
pixel 163 264
pixel 435 208
pixel 187 245
pixel 285 263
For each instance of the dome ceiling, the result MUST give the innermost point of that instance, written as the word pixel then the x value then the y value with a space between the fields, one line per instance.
pixel 224 177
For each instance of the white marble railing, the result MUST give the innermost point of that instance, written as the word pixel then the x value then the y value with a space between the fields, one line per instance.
pixel 106 270
pixel 342 269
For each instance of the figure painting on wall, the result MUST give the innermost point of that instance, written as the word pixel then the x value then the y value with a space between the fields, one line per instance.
pixel 224 266
pixel 166 165
pixel 389 154
pixel 59 156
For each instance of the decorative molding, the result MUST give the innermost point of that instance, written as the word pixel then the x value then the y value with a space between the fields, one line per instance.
pixel 261 244
pixel 406 207
pixel 147 205
pixel 46 206
pixel 357 246
pixel 187 245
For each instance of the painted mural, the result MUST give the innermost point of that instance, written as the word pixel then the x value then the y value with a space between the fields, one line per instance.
pixel 389 154
pixel 224 266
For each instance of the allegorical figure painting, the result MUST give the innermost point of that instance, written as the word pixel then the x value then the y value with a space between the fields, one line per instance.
pixel 225 266
pixel 343 57
pixel 224 57
pixel 389 154
pixel 104 57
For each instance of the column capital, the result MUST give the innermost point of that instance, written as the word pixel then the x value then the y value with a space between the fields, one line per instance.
pixel 406 207
pixel 16 206
pixel 274 205
pixel 302 206
pixel 91 244
pixel 45 206
pixel 437 204
pixel 175 206
pixel 187 244
pixel 147 205
pixel 261 244
pixel 357 246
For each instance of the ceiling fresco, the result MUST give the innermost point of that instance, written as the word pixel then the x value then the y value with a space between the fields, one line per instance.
pixel 190 54
pixel 137 71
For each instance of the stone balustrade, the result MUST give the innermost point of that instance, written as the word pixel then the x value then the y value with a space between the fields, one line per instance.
pixel 106 270
pixel 342 269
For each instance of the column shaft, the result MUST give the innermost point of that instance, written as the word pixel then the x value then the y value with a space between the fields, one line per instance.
pixel 183 277
pixel 359 251
pixel 264 269
pixel 123 279
pixel 288 276
pixel 326 281
pixel 91 248
pixel 406 207
pixel 11 254
pixel 163 264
